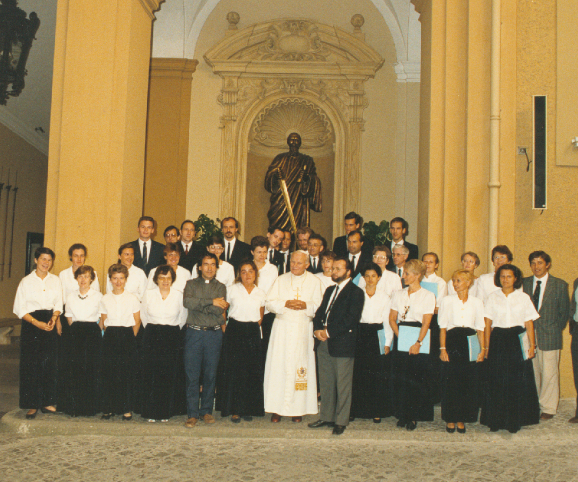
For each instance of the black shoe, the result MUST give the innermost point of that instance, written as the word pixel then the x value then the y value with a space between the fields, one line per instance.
pixel 45 410
pixel 411 425
pixel 320 423
pixel 338 429
pixel 236 419
pixel 377 420
pixel 106 416
pixel 462 430
pixel 248 418
pixel 128 418
pixel 451 430
pixel 31 416
pixel 401 423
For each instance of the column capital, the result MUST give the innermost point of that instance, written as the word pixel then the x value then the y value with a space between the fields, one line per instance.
pixel 151 6
pixel 420 5
pixel 408 71
pixel 169 67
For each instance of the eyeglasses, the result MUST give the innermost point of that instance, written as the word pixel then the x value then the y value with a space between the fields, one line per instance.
pixel 380 258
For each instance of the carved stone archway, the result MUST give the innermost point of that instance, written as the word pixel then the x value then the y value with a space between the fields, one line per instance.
pixel 286 59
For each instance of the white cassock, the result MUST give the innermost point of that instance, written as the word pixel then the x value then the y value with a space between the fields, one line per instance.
pixel 290 385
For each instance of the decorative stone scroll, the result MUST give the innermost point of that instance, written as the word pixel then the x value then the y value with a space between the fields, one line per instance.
pixel 306 74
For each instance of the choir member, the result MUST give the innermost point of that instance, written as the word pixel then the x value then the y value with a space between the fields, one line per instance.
pixel 136 282
pixel 38 303
pixel 327 258
pixel 460 316
pixel 120 320
pixel 225 271
pixel 172 235
pixel 512 400
pixel 371 394
pixel 389 281
pixel 82 314
pixel 163 315
pixel 172 256
pixel 411 306
pixel 470 261
pixel 242 353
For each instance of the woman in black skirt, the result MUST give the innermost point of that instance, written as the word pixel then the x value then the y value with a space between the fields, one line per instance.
pixel 460 316
pixel 163 315
pixel 120 320
pixel 412 306
pixel 82 315
pixel 243 359
pixel 38 303
pixel 511 400
pixel 370 393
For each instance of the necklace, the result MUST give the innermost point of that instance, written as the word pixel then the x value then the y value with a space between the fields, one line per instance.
pixel 83 297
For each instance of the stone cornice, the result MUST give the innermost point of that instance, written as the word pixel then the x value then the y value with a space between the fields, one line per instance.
pixel 151 6
pixel 169 67
pixel 25 131
pixel 420 5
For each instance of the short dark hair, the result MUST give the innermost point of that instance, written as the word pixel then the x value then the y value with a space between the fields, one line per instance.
pixel 76 246
pixel 404 224
pixel 171 248
pixel 83 270
pixel 514 269
pixel 540 254
pixel 245 262
pixel 437 258
pixel 230 218
pixel 213 256
pixel 290 233
pixel 259 242
pixel 502 249
pixel 347 262
pixel 305 230
pixel 327 254
pixel 164 269
pixel 356 231
pixel 146 218
pixel 169 228
pixel 371 267
pixel 473 255
pixel 44 250
pixel 319 238
pixel 117 268
pixel 125 246
pixel 188 221
pixel 357 217
pixel 215 240
pixel 381 247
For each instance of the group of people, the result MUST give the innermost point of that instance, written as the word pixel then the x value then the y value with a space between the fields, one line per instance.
pixel 371 331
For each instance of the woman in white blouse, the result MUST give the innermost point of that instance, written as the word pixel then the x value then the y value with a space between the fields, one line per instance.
pixel 82 314
pixel 225 271
pixel 326 259
pixel 511 399
pixel 120 320
pixel 172 257
pixel 38 303
pixel 470 261
pixel 243 359
pixel 389 281
pixel 136 282
pixel 460 316
pixel 412 306
pixel 163 315
pixel 370 393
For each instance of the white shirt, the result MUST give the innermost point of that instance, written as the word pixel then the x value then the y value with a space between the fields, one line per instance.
pixel 170 311
pixel 486 286
pixel 35 293
pixel 398 271
pixel 394 244
pixel 230 245
pixel 336 292
pixel 225 274
pixel 509 311
pixel 245 307
pixel 120 309
pixel 186 246
pixel 376 310
pixel 149 246
pixel 69 284
pixel 326 281
pixel 136 283
pixel 267 276
pixel 411 308
pixel 544 280
pixel 389 282
pixel 86 308
pixel 473 291
pixel 442 286
pixel 314 262
pixel 453 313
pixel 183 275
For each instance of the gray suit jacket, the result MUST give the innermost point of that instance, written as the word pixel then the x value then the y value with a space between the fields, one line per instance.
pixel 573 324
pixel 553 313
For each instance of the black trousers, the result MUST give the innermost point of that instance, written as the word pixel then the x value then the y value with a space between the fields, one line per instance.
pixel 574 353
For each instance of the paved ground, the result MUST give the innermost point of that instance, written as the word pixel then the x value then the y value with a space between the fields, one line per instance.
pixel 60 448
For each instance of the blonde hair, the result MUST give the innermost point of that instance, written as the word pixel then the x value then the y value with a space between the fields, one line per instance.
pixel 416 267
pixel 465 273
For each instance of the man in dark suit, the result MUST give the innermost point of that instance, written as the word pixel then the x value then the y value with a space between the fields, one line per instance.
pixel 356 256
pixel 274 237
pixel 399 256
pixel 148 254
pixel 235 250
pixel 353 222
pixel 399 228
pixel 285 250
pixel 335 327
pixel 574 344
pixel 191 250
pixel 315 246
pixel 550 297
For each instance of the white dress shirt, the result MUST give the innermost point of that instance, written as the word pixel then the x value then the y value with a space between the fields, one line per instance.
pixel 83 307
pixel 389 282
pixel 69 284
pixel 245 306
pixel 454 313
pixel 376 310
pixel 225 274
pixel 170 311
pixel 414 307
pixel 230 245
pixel 398 271
pixel 314 262
pixel 326 281
pixel 136 283
pixel 267 276
pixel 544 280
pixel 509 311
pixel 186 247
pixel 149 246
pixel 442 286
pixel 183 275
pixel 119 309
pixel 35 293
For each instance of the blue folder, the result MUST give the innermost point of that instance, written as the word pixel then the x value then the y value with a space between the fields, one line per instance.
pixel 474 347
pixel 524 344
pixel 408 336
pixel 433 287
pixel 381 338
pixel 355 280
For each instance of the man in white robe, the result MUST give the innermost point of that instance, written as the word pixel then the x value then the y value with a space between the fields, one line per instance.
pixel 290 383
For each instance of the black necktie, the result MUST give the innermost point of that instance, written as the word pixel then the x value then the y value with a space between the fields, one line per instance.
pixel 228 251
pixel 536 295
pixel 353 263
pixel 399 272
pixel 144 252
pixel 331 304
pixel 271 255
pixel 314 264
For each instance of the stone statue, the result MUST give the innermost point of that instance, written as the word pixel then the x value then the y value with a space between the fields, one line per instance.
pixel 303 186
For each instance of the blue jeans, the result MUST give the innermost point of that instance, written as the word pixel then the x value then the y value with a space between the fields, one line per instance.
pixel 202 351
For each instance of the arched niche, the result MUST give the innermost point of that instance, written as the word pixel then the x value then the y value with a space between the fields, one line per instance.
pixel 292 59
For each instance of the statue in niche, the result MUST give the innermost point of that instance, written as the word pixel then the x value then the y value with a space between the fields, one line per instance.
pixel 303 186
